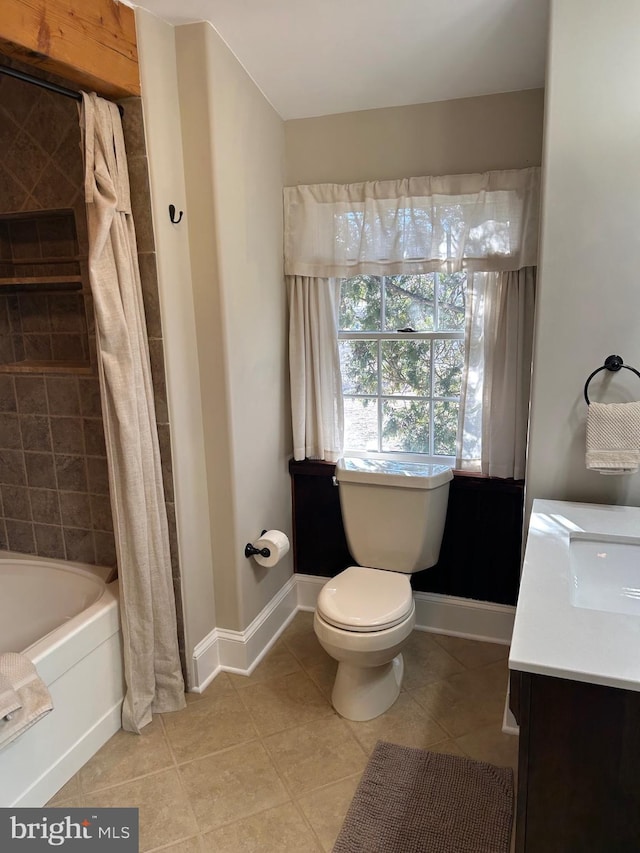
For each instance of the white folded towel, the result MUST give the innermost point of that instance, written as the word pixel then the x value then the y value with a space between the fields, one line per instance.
pixel 613 438
pixel 9 701
pixel 34 700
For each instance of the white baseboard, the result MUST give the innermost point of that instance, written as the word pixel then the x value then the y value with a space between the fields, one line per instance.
pixel 205 663
pixel 464 617
pixel 241 651
pixel 308 588
pixel 509 723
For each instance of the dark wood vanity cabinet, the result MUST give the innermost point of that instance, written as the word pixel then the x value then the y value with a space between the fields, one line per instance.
pixel 578 766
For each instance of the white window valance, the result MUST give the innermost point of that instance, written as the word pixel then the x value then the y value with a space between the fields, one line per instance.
pixel 481 222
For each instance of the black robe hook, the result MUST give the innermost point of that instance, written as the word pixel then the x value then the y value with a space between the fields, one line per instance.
pixel 172 214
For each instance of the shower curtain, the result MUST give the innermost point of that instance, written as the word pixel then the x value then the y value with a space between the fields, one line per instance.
pixel 151 659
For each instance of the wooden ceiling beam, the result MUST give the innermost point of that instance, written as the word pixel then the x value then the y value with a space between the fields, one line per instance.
pixel 91 43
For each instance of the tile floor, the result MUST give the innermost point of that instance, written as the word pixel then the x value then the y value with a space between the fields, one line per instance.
pixel 265 764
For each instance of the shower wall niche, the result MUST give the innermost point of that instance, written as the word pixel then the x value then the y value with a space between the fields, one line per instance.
pixel 43 322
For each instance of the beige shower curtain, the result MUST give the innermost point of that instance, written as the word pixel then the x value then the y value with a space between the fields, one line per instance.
pixel 151 660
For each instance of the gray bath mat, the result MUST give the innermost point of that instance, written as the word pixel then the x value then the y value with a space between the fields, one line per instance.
pixel 414 801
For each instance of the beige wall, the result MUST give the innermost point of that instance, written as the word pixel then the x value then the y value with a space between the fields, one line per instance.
pixel 222 286
pixel 234 170
pixel 164 147
pixel 589 298
pixel 444 138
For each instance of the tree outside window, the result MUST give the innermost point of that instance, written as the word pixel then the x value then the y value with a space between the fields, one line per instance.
pixel 401 345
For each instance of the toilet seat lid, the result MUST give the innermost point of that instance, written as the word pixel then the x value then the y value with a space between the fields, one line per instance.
pixel 362 599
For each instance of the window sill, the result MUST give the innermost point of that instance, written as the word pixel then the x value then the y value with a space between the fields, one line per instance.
pixel 320 468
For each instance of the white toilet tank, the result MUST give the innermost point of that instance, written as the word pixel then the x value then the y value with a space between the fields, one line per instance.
pixel 393 512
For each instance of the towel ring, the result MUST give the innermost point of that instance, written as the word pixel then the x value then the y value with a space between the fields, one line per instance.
pixel 614 363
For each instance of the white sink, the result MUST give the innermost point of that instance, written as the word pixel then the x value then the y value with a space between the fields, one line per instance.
pixel 578 613
pixel 605 572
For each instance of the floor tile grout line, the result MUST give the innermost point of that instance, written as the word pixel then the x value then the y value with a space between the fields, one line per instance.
pixel 437 639
pixel 179 763
pixel 222 751
pixel 86 793
pixel 354 736
pixel 317 719
pixel 280 774
pixel 98 791
pixel 298 804
pixel 328 785
pixel 168 846
pixel 428 714
pixel 201 833
pixel 294 725
pixel 444 726
pixel 137 778
pixel 179 776
pixel 290 793
pixel 307 823
pixel 261 811
pixel 236 679
pixel 237 692
pixel 444 651
pixel 306 668
pixel 453 675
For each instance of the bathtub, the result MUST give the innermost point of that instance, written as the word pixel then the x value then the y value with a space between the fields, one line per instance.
pixel 64 617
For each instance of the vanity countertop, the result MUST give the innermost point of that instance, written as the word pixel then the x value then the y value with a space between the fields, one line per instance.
pixel 551 635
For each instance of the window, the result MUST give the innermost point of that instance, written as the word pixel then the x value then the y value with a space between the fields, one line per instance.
pixel 401 342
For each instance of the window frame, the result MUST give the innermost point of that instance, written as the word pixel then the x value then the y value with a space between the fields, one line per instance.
pixel 393 335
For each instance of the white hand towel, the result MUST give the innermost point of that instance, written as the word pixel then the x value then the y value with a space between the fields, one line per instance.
pixel 9 701
pixel 613 438
pixel 33 696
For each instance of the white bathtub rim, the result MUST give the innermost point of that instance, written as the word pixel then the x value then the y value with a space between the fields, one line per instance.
pixel 56 651
pixel 99 621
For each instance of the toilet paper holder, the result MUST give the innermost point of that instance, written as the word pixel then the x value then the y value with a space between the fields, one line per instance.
pixel 250 550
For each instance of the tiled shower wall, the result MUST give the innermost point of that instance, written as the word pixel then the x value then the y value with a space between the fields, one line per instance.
pixel 53 470
pixel 40 324
pixel 53 474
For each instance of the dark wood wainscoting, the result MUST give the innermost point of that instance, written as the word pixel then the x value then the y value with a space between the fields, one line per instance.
pixel 481 548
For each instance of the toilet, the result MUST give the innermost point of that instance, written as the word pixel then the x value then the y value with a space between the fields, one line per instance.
pixel 393 515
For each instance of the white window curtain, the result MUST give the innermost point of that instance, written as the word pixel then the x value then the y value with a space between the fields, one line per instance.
pixel 316 384
pixel 147 607
pixel 494 402
pixel 507 373
pixel 481 223
pixel 469 437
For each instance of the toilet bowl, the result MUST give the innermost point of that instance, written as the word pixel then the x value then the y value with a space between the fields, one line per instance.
pixel 394 519
pixel 365 634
